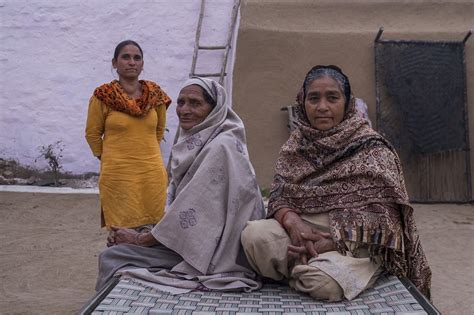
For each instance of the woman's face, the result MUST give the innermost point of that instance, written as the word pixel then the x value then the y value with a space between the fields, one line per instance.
pixel 324 103
pixel 191 107
pixel 129 63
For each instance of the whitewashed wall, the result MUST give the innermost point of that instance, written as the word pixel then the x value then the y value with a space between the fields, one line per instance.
pixel 53 54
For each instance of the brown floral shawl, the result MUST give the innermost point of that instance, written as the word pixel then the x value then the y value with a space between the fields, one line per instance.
pixel 353 173
pixel 113 95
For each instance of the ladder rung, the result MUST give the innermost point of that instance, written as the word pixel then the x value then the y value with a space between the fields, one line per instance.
pixel 226 48
pixel 207 74
pixel 212 47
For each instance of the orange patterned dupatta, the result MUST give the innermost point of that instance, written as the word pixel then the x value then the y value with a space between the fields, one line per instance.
pixel 113 95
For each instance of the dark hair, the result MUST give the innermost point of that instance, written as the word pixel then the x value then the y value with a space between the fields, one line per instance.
pixel 208 98
pixel 125 43
pixel 333 72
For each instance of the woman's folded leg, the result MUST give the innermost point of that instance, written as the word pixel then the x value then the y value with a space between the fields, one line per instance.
pixel 265 244
pixel 121 256
pixel 316 283
pixel 332 276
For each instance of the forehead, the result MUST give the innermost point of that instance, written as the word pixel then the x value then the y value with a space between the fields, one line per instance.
pixel 324 83
pixel 191 91
pixel 130 49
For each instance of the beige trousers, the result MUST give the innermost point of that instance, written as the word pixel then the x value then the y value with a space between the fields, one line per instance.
pixel 330 276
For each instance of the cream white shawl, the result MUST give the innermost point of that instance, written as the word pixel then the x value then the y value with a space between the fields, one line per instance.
pixel 212 194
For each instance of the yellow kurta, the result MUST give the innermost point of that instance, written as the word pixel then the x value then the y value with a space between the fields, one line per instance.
pixel 133 179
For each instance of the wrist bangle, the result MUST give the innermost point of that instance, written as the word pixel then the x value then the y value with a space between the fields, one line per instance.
pixel 282 218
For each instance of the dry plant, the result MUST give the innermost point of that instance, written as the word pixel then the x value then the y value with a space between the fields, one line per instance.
pixel 52 153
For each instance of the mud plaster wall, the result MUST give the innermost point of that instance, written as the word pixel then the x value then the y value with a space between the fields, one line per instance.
pixel 279 41
pixel 54 53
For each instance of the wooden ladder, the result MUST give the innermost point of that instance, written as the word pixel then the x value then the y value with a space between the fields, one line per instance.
pixel 198 47
pixel 226 48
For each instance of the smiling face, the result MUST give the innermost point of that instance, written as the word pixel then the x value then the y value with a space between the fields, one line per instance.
pixel 129 62
pixel 324 103
pixel 192 107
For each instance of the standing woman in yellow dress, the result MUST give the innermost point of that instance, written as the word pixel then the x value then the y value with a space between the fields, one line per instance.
pixel 125 124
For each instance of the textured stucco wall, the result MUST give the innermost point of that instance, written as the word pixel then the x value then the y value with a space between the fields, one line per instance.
pixel 54 53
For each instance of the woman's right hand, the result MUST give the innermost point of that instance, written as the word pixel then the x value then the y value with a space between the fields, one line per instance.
pixel 296 227
pixel 321 242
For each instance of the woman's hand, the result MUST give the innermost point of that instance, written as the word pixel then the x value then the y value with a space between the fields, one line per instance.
pixel 324 245
pixel 321 243
pixel 295 227
pixel 119 235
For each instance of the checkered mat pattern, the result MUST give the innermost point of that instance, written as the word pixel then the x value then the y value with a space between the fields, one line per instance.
pixel 388 296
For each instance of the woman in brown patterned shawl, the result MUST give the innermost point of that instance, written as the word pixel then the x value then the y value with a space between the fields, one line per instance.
pixel 338 213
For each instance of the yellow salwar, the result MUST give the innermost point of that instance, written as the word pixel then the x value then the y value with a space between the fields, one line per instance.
pixel 133 180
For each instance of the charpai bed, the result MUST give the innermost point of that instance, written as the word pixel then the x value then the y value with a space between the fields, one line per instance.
pixel 390 295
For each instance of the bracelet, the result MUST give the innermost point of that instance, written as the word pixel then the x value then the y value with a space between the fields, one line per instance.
pixel 137 239
pixel 282 218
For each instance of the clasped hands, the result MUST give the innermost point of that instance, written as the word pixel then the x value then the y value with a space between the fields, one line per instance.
pixel 118 235
pixel 306 241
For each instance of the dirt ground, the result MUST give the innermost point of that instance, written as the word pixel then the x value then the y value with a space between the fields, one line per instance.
pixel 49 245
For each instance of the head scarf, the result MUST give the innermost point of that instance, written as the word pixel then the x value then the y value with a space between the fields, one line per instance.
pixel 353 173
pixel 199 135
pixel 113 96
pixel 219 113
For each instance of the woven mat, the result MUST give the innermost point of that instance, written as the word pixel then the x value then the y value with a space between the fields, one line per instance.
pixel 388 296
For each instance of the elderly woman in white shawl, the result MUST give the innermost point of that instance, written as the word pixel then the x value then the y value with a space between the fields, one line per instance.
pixel 212 194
